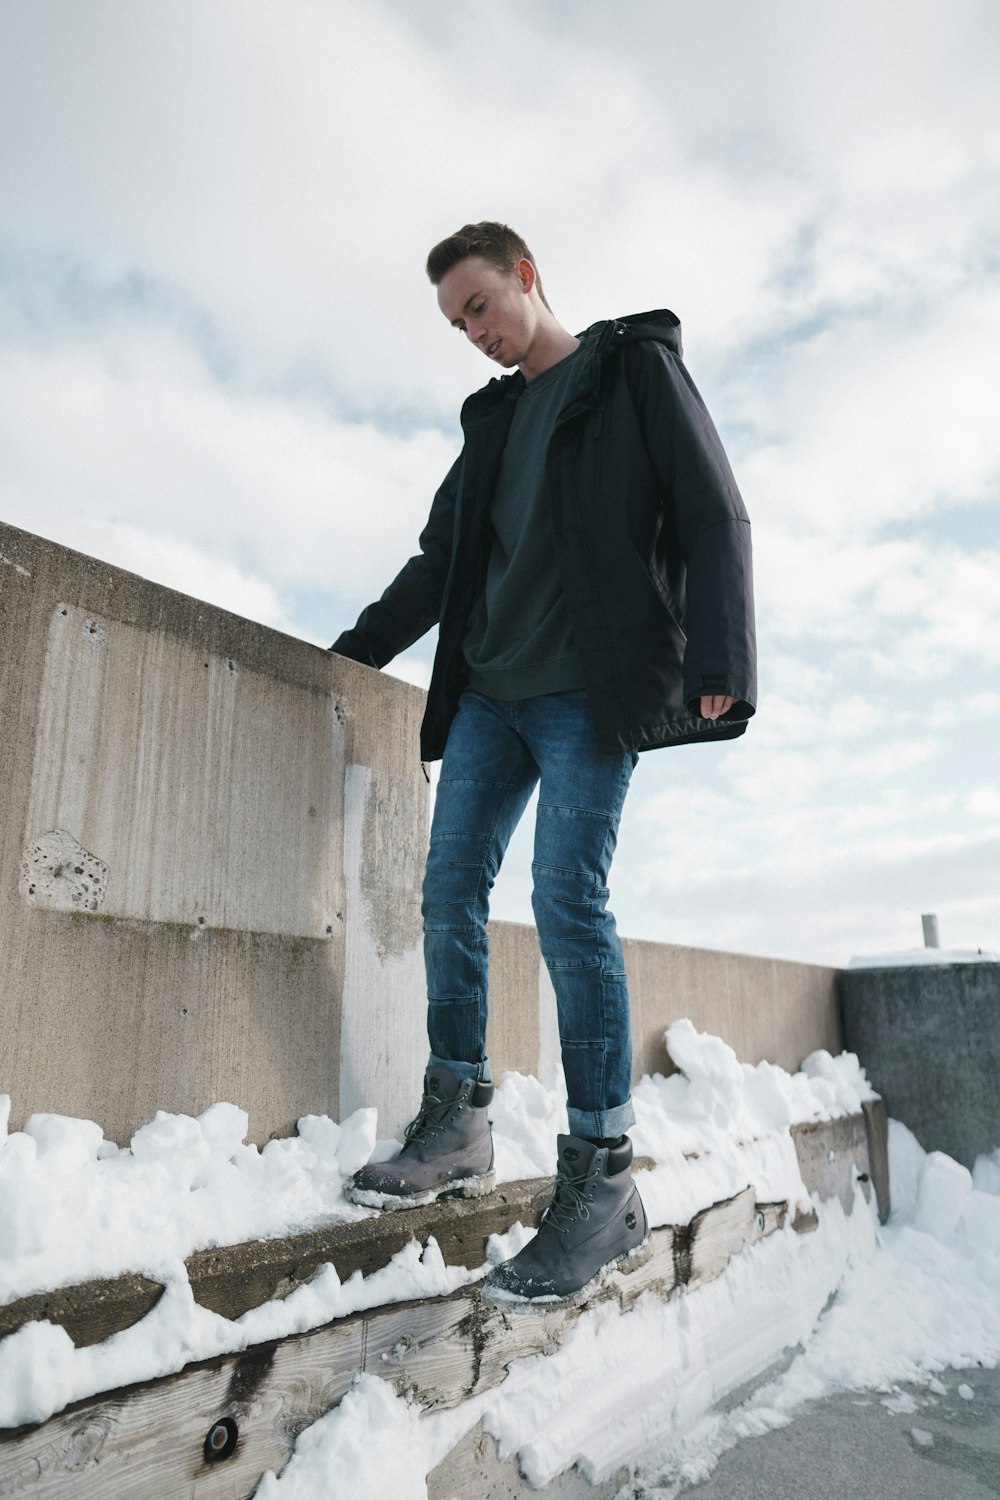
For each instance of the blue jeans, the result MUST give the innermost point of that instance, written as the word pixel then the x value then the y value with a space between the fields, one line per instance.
pixel 496 753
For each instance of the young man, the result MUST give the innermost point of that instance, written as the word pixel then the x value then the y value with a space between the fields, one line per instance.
pixel 588 561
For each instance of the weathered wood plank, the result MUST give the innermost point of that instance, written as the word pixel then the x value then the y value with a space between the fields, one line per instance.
pixel 231 1279
pixel 717 1234
pixel 89 1311
pixel 149 1440
pixel 829 1153
pixel 877 1130
pixel 474 1468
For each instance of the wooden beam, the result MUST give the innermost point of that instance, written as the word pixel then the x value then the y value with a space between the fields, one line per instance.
pixel 149 1440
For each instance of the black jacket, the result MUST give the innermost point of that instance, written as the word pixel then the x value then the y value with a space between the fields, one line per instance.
pixel 652 543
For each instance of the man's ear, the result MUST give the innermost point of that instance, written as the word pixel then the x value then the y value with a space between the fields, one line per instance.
pixel 527 274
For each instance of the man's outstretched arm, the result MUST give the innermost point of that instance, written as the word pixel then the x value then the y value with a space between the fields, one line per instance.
pixel 411 604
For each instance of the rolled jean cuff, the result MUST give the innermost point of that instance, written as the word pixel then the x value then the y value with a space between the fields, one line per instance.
pixel 602 1123
pixel 479 1071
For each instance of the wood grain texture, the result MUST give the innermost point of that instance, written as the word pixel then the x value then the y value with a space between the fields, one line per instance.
pixel 148 1440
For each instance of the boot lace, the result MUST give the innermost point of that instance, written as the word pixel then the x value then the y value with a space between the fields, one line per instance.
pixel 569 1201
pixel 430 1119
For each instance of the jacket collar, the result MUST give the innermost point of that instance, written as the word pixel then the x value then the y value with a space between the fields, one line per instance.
pixel 660 325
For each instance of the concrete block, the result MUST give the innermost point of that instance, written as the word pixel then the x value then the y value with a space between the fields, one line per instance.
pixel 212 843
pixel 928 1036
pixel 765 1008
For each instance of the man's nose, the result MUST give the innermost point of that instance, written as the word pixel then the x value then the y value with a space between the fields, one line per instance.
pixel 475 332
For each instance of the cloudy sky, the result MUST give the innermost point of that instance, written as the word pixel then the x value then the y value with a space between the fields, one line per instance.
pixel 221 366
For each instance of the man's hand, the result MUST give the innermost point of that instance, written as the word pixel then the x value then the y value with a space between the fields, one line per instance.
pixel 714 705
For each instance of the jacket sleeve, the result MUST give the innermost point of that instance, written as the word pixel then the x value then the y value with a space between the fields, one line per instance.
pixel 411 604
pixel 705 519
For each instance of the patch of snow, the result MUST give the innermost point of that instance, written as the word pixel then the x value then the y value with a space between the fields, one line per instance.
pixel 373 1435
pixel 77 1207
pixel 41 1371
pixel 914 1298
pixel 986 1172
pixel 906 958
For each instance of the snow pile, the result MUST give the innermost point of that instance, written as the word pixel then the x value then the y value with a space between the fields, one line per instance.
pixel 912 1303
pixel 719 1124
pixel 373 1436
pixel 76 1207
pixel 906 958
pixel 41 1371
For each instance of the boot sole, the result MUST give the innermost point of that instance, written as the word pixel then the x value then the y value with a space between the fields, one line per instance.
pixel 625 1263
pixel 463 1187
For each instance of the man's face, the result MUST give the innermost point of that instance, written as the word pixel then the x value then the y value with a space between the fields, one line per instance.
pixel 493 308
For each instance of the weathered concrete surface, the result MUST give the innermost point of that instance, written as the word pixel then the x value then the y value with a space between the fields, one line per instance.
pixel 852 1444
pixel 195 898
pixel 212 840
pixel 928 1036
pixel 765 1008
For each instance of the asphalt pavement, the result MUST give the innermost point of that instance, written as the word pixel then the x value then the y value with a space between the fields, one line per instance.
pixel 921 1446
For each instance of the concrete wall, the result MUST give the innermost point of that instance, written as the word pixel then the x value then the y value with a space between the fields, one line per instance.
pixel 763 1007
pixel 929 1037
pixel 211 846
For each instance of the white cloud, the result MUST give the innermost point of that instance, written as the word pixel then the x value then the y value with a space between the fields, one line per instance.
pixel 223 367
pixel 133 449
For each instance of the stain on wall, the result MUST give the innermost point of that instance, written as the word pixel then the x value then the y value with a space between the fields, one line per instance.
pixel 57 872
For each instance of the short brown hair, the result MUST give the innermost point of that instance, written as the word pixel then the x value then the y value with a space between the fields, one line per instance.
pixel 495 242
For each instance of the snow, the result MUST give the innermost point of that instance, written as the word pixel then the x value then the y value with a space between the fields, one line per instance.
pixel 911 1305
pixel 915 1299
pixel 372 1436
pixel 907 957
pixel 943 1191
pixel 76 1207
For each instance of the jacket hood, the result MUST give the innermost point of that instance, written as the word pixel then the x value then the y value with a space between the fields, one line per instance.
pixel 661 325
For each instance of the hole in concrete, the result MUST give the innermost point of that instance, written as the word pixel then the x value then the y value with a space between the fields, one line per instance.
pixel 201 922
pixel 221 1441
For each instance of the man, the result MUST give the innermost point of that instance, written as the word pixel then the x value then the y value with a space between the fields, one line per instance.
pixel 588 561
